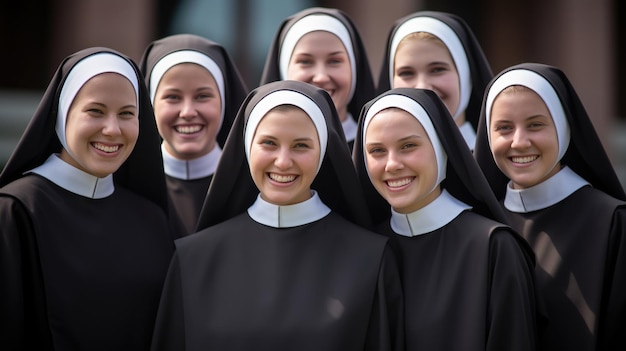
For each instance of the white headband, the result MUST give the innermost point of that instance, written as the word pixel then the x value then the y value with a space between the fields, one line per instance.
pixel 84 70
pixel 312 23
pixel 544 89
pixel 287 97
pixel 450 39
pixel 416 110
pixel 188 56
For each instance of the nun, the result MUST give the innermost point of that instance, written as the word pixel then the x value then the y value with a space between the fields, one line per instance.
pixel 323 47
pixel 438 51
pixel 282 259
pixel 547 166
pixel 467 277
pixel 196 90
pixel 85 242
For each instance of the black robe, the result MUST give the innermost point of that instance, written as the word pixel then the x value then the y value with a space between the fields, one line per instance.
pixel 466 287
pixel 81 281
pixel 580 275
pixel 186 197
pixel 579 242
pixel 241 285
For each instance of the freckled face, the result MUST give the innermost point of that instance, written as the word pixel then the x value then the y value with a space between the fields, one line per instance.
pixel 102 125
pixel 401 160
pixel 284 156
pixel 524 141
pixel 187 107
pixel 427 64
pixel 319 58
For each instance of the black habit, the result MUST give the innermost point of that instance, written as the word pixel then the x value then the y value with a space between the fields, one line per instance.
pixel 468 284
pixel 81 272
pixel 579 238
pixel 320 284
pixel 187 190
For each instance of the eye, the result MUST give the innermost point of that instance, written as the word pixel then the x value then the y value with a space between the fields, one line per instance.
pixel 304 61
pixel 171 97
pixel 439 69
pixel 376 150
pixel 302 146
pixel 502 128
pixel 536 125
pixel 127 114
pixel 335 60
pixel 405 73
pixel 95 111
pixel 205 96
pixel 408 146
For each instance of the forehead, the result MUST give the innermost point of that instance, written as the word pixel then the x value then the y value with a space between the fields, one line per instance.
pixel 408 50
pixel 187 73
pixel 97 83
pixel 287 118
pixel 319 40
pixel 398 119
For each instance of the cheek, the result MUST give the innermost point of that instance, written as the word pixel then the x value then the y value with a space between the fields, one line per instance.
pixel 374 166
pixel 295 72
pixel 131 129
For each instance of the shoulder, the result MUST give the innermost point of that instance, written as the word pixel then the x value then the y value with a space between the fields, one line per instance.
pixel 593 197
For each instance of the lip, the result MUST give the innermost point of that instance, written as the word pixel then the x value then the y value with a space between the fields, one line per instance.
pixel 107 149
pixel 188 129
pixel 399 184
pixel 279 179
pixel 524 160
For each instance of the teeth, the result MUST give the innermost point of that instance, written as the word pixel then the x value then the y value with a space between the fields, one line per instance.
pixel 524 159
pixel 281 178
pixel 106 148
pixel 399 182
pixel 188 129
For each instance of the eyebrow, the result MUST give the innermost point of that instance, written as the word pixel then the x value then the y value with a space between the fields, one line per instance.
pixel 408 137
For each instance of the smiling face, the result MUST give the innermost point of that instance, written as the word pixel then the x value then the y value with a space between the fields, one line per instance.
pixel 401 160
pixel 102 125
pixel 187 107
pixel 284 155
pixel 423 61
pixel 320 58
pixel 524 140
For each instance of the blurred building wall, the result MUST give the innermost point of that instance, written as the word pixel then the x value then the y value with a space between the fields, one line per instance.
pixel 579 36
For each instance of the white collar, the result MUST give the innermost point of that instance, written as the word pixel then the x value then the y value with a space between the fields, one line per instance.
pixel 301 213
pixel 431 217
pixel 469 134
pixel 73 179
pixel 545 194
pixel 200 167
pixel 349 128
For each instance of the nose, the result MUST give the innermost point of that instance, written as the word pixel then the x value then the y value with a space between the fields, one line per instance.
pixel 393 162
pixel 188 109
pixel 422 82
pixel 111 126
pixel 320 75
pixel 520 139
pixel 283 158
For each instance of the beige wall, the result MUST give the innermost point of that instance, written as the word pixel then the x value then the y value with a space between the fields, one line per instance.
pixel 123 25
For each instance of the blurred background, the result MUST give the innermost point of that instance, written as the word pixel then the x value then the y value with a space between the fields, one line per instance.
pixel 585 38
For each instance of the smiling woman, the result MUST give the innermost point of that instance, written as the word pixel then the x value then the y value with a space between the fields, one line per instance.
pixel 428 195
pixel 323 47
pixel 85 242
pixel 282 260
pixel 542 157
pixel 196 90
